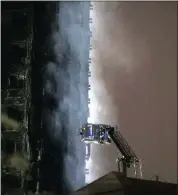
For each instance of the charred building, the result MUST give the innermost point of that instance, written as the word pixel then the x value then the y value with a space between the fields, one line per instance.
pixel 17 37
pixel 40 127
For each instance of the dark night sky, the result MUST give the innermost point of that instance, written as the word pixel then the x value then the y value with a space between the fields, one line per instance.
pixel 134 83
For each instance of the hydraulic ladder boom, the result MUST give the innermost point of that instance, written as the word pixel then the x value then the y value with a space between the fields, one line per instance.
pixel 126 151
pixel 128 156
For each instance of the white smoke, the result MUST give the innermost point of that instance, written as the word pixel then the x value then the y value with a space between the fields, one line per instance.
pixel 110 55
pixel 113 53
pixel 101 102
pixel 133 43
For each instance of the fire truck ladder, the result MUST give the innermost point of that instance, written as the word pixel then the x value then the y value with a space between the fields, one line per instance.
pixel 128 157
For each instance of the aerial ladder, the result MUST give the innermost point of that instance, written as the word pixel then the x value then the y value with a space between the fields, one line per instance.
pixel 127 157
pixel 103 134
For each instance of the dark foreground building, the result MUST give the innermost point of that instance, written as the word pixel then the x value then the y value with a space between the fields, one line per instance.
pixel 16 44
pixel 49 42
pixel 115 184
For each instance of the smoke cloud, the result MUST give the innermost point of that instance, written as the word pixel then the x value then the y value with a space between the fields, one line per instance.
pixel 67 85
pixel 133 83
